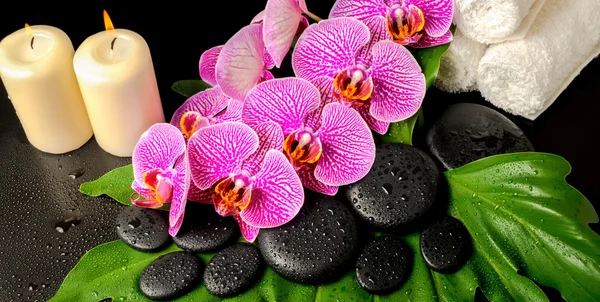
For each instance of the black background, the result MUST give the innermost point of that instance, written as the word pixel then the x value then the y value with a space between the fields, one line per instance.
pixel 36 191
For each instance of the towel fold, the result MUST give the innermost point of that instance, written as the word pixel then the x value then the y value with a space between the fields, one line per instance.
pixel 524 77
pixel 495 21
pixel 458 68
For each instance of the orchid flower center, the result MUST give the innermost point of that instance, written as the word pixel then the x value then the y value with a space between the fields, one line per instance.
pixel 405 23
pixel 191 121
pixel 302 147
pixel 160 184
pixel 353 85
pixel 232 194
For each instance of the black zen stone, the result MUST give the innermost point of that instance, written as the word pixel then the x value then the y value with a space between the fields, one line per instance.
pixel 316 246
pixel 233 270
pixel 446 245
pixel 384 265
pixel 203 230
pixel 468 132
pixel 145 230
pixel 400 188
pixel 171 276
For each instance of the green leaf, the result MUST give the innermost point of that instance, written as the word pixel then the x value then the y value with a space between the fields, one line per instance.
pixel 401 132
pixel 187 88
pixel 525 218
pixel 110 270
pixel 116 184
pixel 429 60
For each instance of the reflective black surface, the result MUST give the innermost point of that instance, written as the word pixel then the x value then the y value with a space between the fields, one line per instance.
pixel 36 192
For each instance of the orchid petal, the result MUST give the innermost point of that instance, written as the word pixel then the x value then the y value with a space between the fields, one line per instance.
pixel 286 102
pixel 201 196
pixel 277 193
pixel 373 123
pixel 302 5
pixel 159 147
pixel 325 86
pixel 307 176
pixel 233 113
pixel 327 47
pixel 377 26
pixel 181 184
pixel 207 103
pixel 348 146
pixel 359 9
pixel 142 190
pixel 218 150
pixel 249 232
pixel 399 85
pixel 268 62
pixel 281 21
pixel 270 137
pixel 438 15
pixel 429 41
pixel 258 18
pixel 241 63
pixel 208 62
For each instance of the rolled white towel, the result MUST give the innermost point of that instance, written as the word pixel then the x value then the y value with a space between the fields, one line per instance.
pixel 524 77
pixel 495 21
pixel 458 68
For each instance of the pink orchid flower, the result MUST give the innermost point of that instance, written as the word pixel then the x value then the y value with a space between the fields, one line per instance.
pixel 161 172
pixel 416 23
pixel 382 81
pixel 247 176
pixel 201 110
pixel 328 144
pixel 238 65
pixel 206 108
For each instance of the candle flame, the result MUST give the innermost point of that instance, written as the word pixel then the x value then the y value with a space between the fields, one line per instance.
pixel 107 22
pixel 28 30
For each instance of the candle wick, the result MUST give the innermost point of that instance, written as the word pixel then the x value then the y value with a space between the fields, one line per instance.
pixel 112 44
pixel 31 44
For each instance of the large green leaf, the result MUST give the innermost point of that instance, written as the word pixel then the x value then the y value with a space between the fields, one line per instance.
pixel 116 184
pixel 188 88
pixel 524 220
pixel 429 60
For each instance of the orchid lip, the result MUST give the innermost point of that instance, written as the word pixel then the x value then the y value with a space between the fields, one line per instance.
pixel 191 121
pixel 302 147
pixel 233 194
pixel 405 24
pixel 160 184
pixel 353 85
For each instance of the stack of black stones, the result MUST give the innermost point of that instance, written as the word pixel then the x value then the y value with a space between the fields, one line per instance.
pixel 404 192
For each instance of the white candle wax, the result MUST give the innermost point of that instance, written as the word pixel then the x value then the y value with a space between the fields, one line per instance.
pixel 116 76
pixel 36 67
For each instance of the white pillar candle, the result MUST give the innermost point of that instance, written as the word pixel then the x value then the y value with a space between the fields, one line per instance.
pixel 36 66
pixel 116 76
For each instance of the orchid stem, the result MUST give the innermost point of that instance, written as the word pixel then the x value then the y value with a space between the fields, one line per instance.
pixel 313 16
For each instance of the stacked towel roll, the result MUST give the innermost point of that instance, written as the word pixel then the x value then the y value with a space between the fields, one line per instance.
pixel 495 21
pixel 525 76
pixel 458 68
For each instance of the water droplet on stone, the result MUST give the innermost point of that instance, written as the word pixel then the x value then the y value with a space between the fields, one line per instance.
pixel 76 173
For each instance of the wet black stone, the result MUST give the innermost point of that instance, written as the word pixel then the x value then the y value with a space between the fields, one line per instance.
pixel 145 230
pixel 203 230
pixel 316 246
pixel 445 245
pixel 233 270
pixel 468 132
pixel 400 188
pixel 171 276
pixel 384 265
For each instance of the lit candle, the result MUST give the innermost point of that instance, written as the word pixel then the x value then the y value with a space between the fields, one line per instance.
pixel 36 66
pixel 116 76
